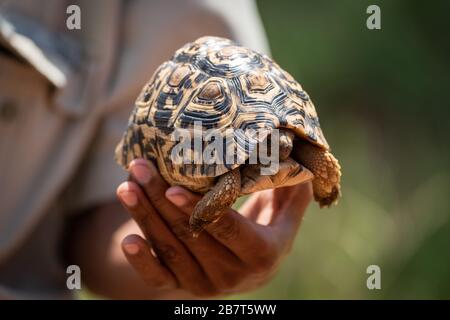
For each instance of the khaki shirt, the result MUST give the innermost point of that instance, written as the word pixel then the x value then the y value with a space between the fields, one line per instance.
pixel 65 96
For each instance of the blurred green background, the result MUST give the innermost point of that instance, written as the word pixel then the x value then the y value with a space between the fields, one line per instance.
pixel 383 100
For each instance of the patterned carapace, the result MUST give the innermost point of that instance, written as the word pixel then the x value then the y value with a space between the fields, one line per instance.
pixel 222 85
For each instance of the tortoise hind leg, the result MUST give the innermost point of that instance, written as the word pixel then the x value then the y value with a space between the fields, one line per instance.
pixel 216 201
pixel 326 170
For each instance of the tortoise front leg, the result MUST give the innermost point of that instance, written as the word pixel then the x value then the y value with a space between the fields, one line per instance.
pixel 216 202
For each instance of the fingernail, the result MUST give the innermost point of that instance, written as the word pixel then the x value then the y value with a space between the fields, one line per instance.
pixel 129 198
pixel 176 198
pixel 141 172
pixel 131 248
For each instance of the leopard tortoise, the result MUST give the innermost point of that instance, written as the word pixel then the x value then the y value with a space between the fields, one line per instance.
pixel 220 85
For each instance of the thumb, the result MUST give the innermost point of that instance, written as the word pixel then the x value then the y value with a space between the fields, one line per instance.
pixel 184 199
pixel 293 210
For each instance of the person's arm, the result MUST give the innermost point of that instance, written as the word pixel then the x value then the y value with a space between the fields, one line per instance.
pixel 236 254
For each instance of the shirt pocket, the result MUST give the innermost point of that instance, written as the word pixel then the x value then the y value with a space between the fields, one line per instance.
pixel 55 56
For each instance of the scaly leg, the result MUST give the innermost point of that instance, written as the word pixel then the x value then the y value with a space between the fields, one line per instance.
pixel 326 170
pixel 216 201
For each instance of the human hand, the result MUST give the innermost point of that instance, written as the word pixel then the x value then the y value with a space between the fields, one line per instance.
pixel 238 253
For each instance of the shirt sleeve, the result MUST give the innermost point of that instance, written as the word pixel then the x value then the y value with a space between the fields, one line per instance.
pixel 243 20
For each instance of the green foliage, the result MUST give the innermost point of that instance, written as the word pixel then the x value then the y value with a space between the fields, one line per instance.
pixel 383 99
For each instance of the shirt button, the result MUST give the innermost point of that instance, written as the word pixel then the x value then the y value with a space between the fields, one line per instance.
pixel 8 110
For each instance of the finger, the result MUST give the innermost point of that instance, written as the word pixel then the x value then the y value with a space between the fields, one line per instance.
pixel 182 198
pixel 139 255
pixel 154 186
pixel 147 176
pixel 291 212
pixel 252 206
pixel 217 261
pixel 260 207
pixel 241 236
pixel 167 247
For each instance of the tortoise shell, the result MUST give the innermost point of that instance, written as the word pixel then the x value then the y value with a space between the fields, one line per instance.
pixel 219 85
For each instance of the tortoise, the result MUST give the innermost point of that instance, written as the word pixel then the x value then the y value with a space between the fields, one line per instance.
pixel 215 84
